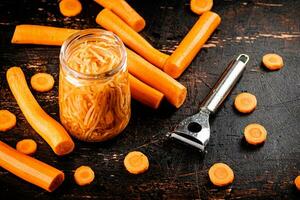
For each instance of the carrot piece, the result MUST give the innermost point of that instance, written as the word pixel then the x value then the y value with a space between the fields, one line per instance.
pixel 42 82
pixel 221 174
pixel 30 169
pixel 70 8
pixel 191 44
pixel 144 93
pixel 136 162
pixel 125 12
pixel 108 20
pixel 245 102
pixel 255 134
pixel 27 146
pixel 49 129
pixel 7 120
pixel 149 74
pixel 272 61
pixel 297 182
pixel 84 175
pixel 201 6
pixel 45 35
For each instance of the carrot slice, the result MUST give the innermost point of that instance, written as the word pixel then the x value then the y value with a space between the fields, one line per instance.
pixel 84 175
pixel 201 6
pixel 297 182
pixel 42 82
pixel 272 61
pixel 70 8
pixel 221 174
pixel 27 146
pixel 7 120
pixel 255 134
pixel 136 162
pixel 245 102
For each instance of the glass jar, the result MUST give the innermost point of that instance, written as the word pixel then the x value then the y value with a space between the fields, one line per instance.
pixel 94 93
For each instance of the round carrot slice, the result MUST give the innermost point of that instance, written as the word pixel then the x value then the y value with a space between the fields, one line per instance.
pixel 136 162
pixel 272 61
pixel 7 120
pixel 27 146
pixel 220 174
pixel 84 175
pixel 245 102
pixel 42 82
pixel 297 182
pixel 201 6
pixel 70 8
pixel 255 134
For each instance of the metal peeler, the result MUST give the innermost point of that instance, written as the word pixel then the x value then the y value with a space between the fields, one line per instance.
pixel 195 130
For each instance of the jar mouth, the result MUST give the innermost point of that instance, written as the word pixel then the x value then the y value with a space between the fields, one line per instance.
pixel 91 34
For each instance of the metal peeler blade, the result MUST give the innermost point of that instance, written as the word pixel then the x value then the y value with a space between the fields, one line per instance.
pixel 195 130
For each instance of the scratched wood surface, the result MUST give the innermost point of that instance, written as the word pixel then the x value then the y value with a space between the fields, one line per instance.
pixel 176 172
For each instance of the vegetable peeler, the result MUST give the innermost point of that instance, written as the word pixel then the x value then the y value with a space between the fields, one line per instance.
pixel 195 130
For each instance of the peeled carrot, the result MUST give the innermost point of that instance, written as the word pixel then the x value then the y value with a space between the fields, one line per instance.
pixel 255 134
pixel 84 175
pixel 191 44
pixel 201 6
pixel 245 102
pixel 30 169
pixel 49 129
pixel 70 8
pixel 7 120
pixel 297 182
pixel 272 61
pixel 221 174
pixel 125 12
pixel 42 82
pixel 46 35
pixel 144 93
pixel 108 20
pixel 27 146
pixel 136 162
pixel 149 74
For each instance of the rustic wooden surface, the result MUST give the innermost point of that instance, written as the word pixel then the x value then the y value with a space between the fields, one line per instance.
pixel 176 172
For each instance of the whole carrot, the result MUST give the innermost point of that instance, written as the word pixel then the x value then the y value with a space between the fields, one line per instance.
pixel 191 44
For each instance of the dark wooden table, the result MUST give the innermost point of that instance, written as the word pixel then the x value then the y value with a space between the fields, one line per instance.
pixel 176 172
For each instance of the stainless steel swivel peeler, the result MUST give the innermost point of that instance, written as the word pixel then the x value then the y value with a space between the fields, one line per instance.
pixel 195 130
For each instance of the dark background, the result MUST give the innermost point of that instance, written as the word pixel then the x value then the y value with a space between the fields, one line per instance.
pixel 176 172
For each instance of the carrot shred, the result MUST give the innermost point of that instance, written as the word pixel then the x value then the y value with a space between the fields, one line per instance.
pixel 7 120
pixel 27 146
pixel 272 61
pixel 245 102
pixel 70 8
pixel 255 134
pixel 297 182
pixel 42 82
pixel 136 162
pixel 201 6
pixel 221 174
pixel 84 175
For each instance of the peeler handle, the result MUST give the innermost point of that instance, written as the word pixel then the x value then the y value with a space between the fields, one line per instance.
pixel 225 83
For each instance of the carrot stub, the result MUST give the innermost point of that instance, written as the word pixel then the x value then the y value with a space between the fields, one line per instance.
pixel 201 6
pixel 272 61
pixel 255 134
pixel 136 162
pixel 191 44
pixel 297 182
pixel 30 169
pixel 42 82
pixel 70 8
pixel 84 175
pixel 7 120
pixel 221 174
pixel 49 129
pixel 27 146
pixel 245 102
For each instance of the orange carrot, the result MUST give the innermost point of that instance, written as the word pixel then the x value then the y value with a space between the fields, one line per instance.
pixel 136 162
pixel 108 20
pixel 27 146
pixel 272 61
pixel 201 6
pixel 297 182
pixel 7 120
pixel 220 174
pixel 49 129
pixel 144 93
pixel 154 77
pixel 70 8
pixel 84 175
pixel 45 35
pixel 255 134
pixel 125 12
pixel 191 44
pixel 42 82
pixel 30 169
pixel 245 102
